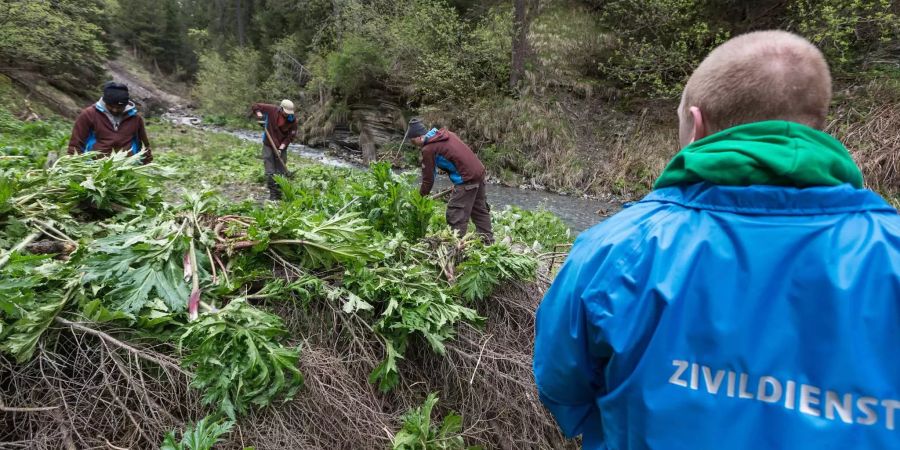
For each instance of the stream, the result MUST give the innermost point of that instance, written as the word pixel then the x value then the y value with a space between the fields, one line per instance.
pixel 579 213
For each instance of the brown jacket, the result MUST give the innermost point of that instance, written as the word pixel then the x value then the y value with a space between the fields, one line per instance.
pixel 447 152
pixel 95 129
pixel 283 132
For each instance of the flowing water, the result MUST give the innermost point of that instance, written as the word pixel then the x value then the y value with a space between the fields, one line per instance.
pixel 578 212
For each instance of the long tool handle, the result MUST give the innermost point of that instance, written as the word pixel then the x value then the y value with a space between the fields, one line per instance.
pixel 275 150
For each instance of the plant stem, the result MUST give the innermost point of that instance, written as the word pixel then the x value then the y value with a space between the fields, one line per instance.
pixel 48 226
pixel 195 277
pixel 212 263
pixel 311 244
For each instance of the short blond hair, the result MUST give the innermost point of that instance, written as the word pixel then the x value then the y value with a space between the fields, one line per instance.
pixel 764 75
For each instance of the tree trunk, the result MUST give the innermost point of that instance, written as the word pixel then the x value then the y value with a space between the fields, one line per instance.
pixel 240 24
pixel 218 14
pixel 519 44
pixel 336 13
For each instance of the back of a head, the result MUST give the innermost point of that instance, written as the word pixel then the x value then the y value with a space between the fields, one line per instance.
pixel 764 75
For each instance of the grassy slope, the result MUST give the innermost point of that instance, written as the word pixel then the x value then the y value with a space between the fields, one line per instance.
pixel 27 140
pixel 13 99
pixel 138 72
pixel 203 159
pixel 207 159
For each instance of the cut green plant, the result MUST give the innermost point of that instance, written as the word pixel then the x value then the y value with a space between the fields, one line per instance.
pixel 419 433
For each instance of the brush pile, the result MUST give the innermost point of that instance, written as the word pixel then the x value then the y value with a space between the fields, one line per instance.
pixel 123 317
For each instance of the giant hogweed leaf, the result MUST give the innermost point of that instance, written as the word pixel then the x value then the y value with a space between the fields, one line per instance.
pixel 201 436
pixel 22 337
pixel 33 290
pixel 130 270
pixel 411 302
pixel 140 285
pixel 386 374
pixel 418 432
pixel 238 359
pixel 312 240
pixel 488 266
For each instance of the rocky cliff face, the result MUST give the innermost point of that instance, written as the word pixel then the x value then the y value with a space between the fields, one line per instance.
pixel 358 128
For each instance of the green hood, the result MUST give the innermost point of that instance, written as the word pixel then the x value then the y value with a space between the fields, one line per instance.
pixel 773 152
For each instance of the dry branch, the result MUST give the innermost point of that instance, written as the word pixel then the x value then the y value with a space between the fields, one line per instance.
pixel 135 351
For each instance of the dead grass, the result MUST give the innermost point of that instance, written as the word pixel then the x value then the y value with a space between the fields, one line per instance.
pixel 85 392
pixel 485 376
pixel 867 121
pixel 527 136
pixel 573 146
pixel 632 151
pixel 616 150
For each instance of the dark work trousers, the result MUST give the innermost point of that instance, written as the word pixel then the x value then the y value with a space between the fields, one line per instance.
pixel 470 201
pixel 273 167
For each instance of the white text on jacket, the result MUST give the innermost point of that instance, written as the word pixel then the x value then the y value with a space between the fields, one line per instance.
pixel 807 399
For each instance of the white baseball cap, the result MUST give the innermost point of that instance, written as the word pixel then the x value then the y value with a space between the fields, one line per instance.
pixel 287 106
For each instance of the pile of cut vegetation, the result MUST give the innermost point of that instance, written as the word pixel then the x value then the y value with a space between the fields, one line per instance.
pixel 322 321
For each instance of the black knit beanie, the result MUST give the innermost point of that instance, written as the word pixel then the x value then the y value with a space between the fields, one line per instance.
pixel 115 93
pixel 416 128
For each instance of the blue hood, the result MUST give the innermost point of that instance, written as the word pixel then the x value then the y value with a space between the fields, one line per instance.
pixel 130 109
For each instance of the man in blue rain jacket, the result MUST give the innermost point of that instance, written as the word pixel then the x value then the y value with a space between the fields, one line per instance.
pixel 752 300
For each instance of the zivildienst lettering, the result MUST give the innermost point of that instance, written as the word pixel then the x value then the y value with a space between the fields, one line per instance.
pixel 849 408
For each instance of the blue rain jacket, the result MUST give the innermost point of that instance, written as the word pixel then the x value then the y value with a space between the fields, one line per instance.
pixel 718 317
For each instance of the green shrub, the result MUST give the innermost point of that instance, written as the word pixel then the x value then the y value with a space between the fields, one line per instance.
pixel 62 39
pixel 488 48
pixel 568 42
pixel 660 42
pixel 848 32
pixel 288 72
pixel 422 48
pixel 355 65
pixel 228 85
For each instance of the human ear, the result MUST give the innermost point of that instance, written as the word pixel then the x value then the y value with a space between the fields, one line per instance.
pixel 698 128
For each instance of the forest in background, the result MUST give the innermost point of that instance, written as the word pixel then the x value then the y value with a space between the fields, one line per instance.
pixel 573 95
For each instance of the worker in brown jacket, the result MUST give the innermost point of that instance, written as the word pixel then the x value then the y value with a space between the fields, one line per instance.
pixel 112 124
pixel 280 126
pixel 442 149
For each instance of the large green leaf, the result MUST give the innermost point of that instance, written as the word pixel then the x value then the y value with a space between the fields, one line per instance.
pixel 238 358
